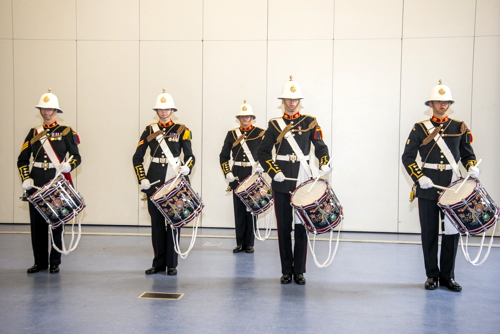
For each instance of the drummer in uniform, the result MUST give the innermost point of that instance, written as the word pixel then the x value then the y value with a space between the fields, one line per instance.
pixel 49 144
pixel 441 142
pixel 242 143
pixel 291 136
pixel 166 141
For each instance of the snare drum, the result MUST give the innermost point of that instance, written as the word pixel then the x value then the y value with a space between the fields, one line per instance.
pixel 178 202
pixel 471 209
pixel 318 208
pixel 255 193
pixel 57 202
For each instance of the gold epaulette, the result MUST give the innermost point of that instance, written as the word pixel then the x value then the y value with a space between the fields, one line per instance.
pixel 181 128
pixel 38 136
pixel 66 131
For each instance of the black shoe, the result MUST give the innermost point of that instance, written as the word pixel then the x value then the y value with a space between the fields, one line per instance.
pixel 249 249
pixel 450 284
pixel 286 279
pixel 54 268
pixel 36 268
pixel 171 272
pixel 299 279
pixel 431 283
pixel 238 249
pixel 153 270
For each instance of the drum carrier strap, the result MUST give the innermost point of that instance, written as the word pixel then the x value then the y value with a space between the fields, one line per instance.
pixel 244 145
pixel 163 145
pixel 295 147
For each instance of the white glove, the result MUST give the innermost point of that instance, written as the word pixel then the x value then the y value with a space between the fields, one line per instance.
pixel 280 177
pixel 230 177
pixel 145 184
pixel 473 172
pixel 28 184
pixel 65 167
pixel 324 170
pixel 259 168
pixel 425 182
pixel 184 170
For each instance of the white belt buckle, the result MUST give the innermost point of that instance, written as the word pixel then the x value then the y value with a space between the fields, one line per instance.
pixel 441 167
pixel 292 158
pixel 163 160
pixel 45 165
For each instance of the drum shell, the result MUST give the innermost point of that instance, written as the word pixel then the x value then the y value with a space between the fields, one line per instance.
pixel 257 196
pixel 314 216
pixel 179 205
pixel 57 202
pixel 475 213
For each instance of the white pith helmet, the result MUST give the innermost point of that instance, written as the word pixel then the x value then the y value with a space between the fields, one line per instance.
pixel 291 90
pixel 49 101
pixel 164 101
pixel 245 110
pixel 440 93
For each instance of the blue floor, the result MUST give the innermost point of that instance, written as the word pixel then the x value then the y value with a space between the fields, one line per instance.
pixel 375 285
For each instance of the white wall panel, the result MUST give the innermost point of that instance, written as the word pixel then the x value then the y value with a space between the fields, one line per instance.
pixel 297 20
pixel 171 20
pixel 487 18
pixel 107 20
pixel 5 18
pixel 10 184
pixel 310 63
pixel 53 19
pixel 232 72
pixel 444 18
pixel 108 113
pixel 361 19
pixel 485 113
pixel 177 67
pixel 421 70
pixel 234 20
pixel 365 152
pixel 34 72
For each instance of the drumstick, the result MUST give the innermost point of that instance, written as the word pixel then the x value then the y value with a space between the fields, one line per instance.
pixel 154 182
pixel 58 173
pixel 461 184
pixel 319 175
pixel 290 179
pixel 439 187
pixel 179 174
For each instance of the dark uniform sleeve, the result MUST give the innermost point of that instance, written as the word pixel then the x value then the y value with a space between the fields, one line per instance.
pixel 23 161
pixel 225 153
pixel 72 140
pixel 185 141
pixel 264 152
pixel 410 153
pixel 138 158
pixel 320 148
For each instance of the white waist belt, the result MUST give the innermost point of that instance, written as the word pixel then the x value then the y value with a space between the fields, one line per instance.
pixel 289 157
pixel 44 165
pixel 242 163
pixel 162 160
pixel 440 167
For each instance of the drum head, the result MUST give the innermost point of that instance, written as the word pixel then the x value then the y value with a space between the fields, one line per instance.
pixel 247 183
pixel 303 196
pixel 450 197
pixel 167 188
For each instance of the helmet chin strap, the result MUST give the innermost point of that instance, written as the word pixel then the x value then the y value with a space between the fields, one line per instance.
pixel 290 109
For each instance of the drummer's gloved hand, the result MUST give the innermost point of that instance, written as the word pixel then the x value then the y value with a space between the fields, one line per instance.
pixel 324 170
pixel 145 184
pixel 259 168
pixel 65 167
pixel 230 177
pixel 473 171
pixel 184 170
pixel 279 177
pixel 425 182
pixel 28 184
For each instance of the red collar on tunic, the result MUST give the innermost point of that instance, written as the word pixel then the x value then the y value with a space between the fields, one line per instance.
pixel 51 125
pixel 170 122
pixel 439 120
pixel 294 116
pixel 246 129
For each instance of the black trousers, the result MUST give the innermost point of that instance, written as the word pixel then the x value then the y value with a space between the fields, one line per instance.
pixel 40 240
pixel 430 218
pixel 292 261
pixel 162 239
pixel 243 223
